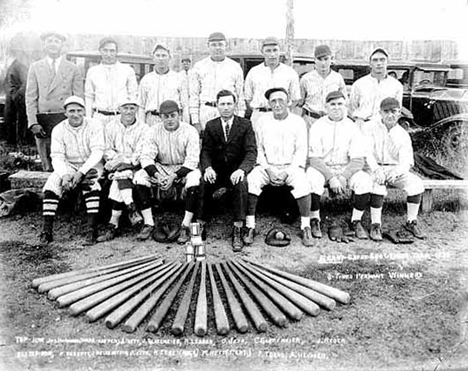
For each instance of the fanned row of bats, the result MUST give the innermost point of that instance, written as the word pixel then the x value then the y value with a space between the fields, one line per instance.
pixel 146 288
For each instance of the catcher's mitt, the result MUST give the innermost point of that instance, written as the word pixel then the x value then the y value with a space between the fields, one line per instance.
pixel 89 179
pixel 336 234
pixel 398 236
pixel 277 237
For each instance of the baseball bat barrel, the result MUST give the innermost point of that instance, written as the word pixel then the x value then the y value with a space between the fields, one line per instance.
pixel 93 278
pixel 115 300
pixel 92 298
pixel 39 281
pixel 163 308
pixel 255 314
pixel 222 322
pixel 315 296
pixel 334 293
pixel 114 318
pixel 302 302
pixel 284 304
pixel 181 316
pixel 262 300
pixel 236 310
pixel 201 312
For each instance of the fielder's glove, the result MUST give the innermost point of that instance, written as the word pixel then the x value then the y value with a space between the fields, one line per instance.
pixel 89 179
pixel 398 236
pixel 277 237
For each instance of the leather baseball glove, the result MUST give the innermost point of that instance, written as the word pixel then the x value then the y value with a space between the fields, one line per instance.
pixel 277 237
pixel 336 234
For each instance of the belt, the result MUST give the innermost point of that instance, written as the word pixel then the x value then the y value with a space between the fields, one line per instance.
pixel 210 104
pixel 154 112
pixel 314 115
pixel 263 109
pixel 107 113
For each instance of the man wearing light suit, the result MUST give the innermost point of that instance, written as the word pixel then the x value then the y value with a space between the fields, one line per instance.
pixel 50 81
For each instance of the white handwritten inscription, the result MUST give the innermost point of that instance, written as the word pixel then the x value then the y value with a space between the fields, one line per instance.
pixel 374 276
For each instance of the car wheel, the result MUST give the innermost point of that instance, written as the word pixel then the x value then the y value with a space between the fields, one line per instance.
pixel 455 140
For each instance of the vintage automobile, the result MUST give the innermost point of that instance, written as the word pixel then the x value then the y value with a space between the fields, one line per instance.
pixel 458 74
pixel 431 108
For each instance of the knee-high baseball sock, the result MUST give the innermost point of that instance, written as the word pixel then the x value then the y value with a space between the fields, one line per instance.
pixel 49 209
pixel 314 206
pixel 187 218
pixel 412 206
pixel 360 204
pixel 251 210
pixel 376 203
pixel 303 204
pixel 147 216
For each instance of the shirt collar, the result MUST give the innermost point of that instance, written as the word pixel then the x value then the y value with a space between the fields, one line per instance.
pixel 57 60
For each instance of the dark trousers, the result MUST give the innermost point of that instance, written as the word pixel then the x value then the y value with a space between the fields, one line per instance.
pixel 239 197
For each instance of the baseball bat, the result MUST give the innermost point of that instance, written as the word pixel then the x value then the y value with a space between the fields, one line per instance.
pixel 222 322
pixel 286 306
pixel 334 293
pixel 114 318
pixel 91 299
pixel 201 312
pixel 254 312
pixel 38 281
pixel 113 302
pixel 163 308
pixel 94 278
pixel 181 315
pixel 262 300
pixel 315 296
pixel 302 302
pixel 236 310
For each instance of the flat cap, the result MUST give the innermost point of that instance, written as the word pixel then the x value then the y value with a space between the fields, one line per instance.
pixel 389 103
pixel 74 99
pixel 322 51
pixel 217 36
pixel 334 95
pixel 128 100
pixel 161 46
pixel 274 90
pixel 59 35
pixel 168 106
pixel 379 50
pixel 270 41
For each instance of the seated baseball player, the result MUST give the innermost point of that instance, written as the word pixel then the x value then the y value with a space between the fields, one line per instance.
pixel 390 161
pixel 228 154
pixel 282 152
pixel 124 142
pixel 169 159
pixel 336 160
pixel 76 150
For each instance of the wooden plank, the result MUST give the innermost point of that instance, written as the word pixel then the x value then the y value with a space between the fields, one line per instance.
pixel 445 184
pixel 28 179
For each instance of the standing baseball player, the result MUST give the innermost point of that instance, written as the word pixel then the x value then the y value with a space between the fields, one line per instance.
pixel 169 159
pixel 108 84
pixel 367 92
pixel 282 153
pixel 160 85
pixel 336 159
pixel 125 137
pixel 269 74
pixel 211 75
pixel 76 150
pixel 390 161
pixel 228 154
pixel 317 84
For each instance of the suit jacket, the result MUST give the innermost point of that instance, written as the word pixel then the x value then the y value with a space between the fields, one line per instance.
pixel 46 93
pixel 225 157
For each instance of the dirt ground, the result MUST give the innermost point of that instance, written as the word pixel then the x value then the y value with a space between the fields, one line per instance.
pixel 408 309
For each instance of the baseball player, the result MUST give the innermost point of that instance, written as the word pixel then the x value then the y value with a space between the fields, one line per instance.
pixel 125 138
pixel 336 159
pixel 76 150
pixel 282 152
pixel 169 159
pixel 390 161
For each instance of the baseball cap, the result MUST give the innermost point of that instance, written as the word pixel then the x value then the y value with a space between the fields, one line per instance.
pixel 161 46
pixel 270 41
pixel 168 106
pixel 322 51
pixel 379 50
pixel 46 34
pixel 334 95
pixel 217 36
pixel 274 90
pixel 389 103
pixel 128 100
pixel 74 99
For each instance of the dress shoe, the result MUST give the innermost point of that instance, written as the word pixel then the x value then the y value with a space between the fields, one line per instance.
pixel 237 244
pixel 145 232
pixel 359 230
pixel 376 232
pixel 184 235
pixel 315 227
pixel 306 237
pixel 45 238
pixel 414 229
pixel 249 236
pixel 91 237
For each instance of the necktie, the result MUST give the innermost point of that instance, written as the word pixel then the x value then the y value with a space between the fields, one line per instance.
pixel 227 129
pixel 53 67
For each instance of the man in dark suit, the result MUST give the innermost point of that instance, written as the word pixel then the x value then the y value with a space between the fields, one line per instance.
pixel 228 154
pixel 50 81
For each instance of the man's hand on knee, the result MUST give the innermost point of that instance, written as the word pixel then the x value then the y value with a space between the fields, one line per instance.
pixel 237 176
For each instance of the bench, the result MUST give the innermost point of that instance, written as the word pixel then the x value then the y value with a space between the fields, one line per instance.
pixel 37 179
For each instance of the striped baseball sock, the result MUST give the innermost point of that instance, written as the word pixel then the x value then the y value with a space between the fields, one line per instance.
pixel 49 209
pixel 92 202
